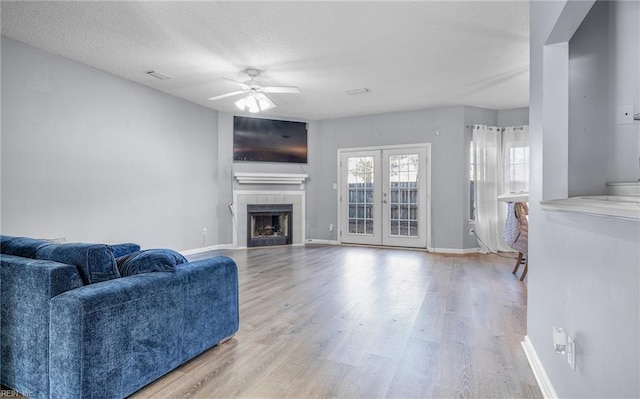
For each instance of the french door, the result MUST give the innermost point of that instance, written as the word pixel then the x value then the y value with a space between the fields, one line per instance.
pixel 383 196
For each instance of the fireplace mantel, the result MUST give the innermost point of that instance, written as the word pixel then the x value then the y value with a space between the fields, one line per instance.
pixel 270 178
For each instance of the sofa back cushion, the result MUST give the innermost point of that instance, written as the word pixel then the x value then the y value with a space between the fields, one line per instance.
pixel 149 260
pixel 21 246
pixel 123 249
pixel 95 262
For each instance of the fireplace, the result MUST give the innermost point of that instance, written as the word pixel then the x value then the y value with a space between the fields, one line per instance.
pixel 269 224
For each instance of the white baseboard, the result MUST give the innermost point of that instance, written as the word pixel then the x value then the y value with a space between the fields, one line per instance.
pixel 538 371
pixel 205 249
pixel 223 246
pixel 321 242
pixel 454 251
pixel 435 250
pixel 318 241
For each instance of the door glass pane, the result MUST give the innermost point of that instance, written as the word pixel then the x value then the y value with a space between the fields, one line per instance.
pixel 403 195
pixel 360 198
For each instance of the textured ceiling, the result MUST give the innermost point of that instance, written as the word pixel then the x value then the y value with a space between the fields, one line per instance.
pixel 410 55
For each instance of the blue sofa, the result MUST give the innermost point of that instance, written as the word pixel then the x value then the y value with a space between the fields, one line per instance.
pixel 72 327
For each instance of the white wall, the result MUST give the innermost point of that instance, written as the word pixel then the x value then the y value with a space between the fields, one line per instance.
pixel 583 273
pixel 92 157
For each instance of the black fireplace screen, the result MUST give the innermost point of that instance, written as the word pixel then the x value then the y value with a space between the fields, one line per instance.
pixel 269 224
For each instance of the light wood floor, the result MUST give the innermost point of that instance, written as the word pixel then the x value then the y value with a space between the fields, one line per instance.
pixel 355 322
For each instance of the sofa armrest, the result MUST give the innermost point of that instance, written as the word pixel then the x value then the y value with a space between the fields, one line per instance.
pixel 109 339
pixel 26 287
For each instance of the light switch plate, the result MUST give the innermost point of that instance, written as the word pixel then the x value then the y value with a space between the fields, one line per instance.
pixel 625 114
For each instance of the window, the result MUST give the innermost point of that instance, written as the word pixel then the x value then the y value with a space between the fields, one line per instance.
pixel 517 169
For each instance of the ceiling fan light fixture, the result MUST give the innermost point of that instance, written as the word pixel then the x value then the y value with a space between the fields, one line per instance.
pixel 263 102
pixel 255 99
pixel 255 103
pixel 248 103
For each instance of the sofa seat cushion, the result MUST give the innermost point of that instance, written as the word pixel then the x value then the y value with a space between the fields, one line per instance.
pixel 21 246
pixel 95 262
pixel 149 260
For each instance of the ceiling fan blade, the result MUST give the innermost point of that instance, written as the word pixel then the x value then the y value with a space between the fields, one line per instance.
pixel 242 84
pixel 226 95
pixel 281 89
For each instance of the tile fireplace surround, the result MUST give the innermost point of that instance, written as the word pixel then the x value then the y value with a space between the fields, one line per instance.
pixel 242 198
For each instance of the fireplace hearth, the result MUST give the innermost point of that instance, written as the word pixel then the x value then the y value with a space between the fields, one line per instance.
pixel 269 224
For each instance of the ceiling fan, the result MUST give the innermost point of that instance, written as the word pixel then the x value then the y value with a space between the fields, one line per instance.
pixel 256 99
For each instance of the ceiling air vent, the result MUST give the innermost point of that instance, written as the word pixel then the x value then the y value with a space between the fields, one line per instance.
pixel 157 75
pixel 354 92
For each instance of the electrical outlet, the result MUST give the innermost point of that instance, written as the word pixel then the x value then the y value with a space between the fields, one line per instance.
pixel 571 353
pixel 472 232
pixel 331 227
pixel 204 231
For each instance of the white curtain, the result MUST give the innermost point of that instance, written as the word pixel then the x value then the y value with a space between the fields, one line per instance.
pixel 501 166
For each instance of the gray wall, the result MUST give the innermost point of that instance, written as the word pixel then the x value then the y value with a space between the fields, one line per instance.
pixel 513 117
pixel 604 60
pixel 92 157
pixel 449 173
pixel 624 76
pixel 450 187
pixel 103 157
pixel 589 83
pixel 584 269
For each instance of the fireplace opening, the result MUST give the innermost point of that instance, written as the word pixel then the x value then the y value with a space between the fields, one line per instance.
pixel 269 224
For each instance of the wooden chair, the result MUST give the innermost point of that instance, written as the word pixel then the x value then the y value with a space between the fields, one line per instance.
pixel 521 259
pixel 521 244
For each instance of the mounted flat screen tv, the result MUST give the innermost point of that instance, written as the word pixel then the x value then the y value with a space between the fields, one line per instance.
pixel 269 140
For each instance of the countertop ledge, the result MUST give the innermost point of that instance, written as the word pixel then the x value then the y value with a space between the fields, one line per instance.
pixel 619 207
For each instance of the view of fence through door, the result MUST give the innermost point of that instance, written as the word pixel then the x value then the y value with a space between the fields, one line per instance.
pixel 360 197
pixel 403 195
pixel 383 197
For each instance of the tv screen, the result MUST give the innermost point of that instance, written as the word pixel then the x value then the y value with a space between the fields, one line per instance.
pixel 268 140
